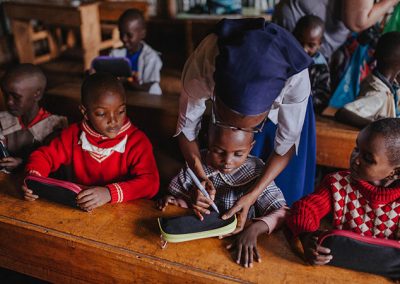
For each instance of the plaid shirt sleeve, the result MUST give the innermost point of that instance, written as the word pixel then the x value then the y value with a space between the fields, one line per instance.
pixel 269 200
pixel 181 185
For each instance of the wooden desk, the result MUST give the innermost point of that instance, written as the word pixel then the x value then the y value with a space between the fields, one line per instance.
pixel 120 243
pixel 335 142
pixel 83 16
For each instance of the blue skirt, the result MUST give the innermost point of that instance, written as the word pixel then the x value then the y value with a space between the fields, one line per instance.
pixel 297 179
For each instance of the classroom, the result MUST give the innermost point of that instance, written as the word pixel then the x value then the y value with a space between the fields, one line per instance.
pixel 198 141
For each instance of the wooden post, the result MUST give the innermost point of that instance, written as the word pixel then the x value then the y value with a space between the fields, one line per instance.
pixel 23 39
pixel 90 33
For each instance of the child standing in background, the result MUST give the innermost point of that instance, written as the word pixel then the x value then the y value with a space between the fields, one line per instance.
pixel 231 172
pixel 309 31
pixel 364 199
pixel 379 95
pixel 105 152
pixel 145 61
pixel 25 125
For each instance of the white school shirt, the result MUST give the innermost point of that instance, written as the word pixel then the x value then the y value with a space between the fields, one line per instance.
pixel 149 66
pixel 287 111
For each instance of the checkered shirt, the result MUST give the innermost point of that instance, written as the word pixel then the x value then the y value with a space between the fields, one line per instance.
pixel 231 187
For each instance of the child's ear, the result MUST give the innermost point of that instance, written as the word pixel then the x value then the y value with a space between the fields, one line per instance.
pixel 395 174
pixel 38 95
pixel 83 112
pixel 143 33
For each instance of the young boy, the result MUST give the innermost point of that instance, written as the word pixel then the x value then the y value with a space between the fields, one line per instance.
pixel 145 61
pixel 364 199
pixel 378 96
pixel 232 172
pixel 105 151
pixel 309 31
pixel 25 125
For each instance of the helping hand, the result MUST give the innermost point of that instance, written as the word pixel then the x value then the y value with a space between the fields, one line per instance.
pixel 314 254
pixel 93 197
pixel 200 203
pixel 241 207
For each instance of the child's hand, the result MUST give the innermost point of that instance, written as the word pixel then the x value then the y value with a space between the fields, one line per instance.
pixel 200 202
pixel 162 203
pixel 10 163
pixel 93 197
pixel 245 244
pixel 28 194
pixel 314 253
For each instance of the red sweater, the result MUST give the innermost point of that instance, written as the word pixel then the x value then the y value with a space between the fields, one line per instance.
pixel 357 206
pixel 124 164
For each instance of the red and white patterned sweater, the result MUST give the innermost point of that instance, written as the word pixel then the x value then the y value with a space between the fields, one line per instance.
pixel 124 164
pixel 357 206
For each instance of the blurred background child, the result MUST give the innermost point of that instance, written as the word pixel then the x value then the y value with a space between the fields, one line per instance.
pixel 364 199
pixel 378 96
pixel 25 125
pixel 106 153
pixel 309 31
pixel 230 173
pixel 145 61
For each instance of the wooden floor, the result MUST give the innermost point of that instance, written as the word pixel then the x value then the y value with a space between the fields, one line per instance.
pixel 120 243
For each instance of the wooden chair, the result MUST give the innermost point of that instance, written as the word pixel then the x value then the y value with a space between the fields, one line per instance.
pixel 109 14
pixel 33 36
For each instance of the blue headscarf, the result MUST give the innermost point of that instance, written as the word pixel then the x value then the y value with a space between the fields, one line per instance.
pixel 255 60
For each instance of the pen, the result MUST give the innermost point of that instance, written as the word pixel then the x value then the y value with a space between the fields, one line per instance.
pixel 201 188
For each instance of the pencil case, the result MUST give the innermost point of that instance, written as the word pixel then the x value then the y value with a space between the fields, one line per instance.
pixel 367 254
pixel 59 191
pixel 188 228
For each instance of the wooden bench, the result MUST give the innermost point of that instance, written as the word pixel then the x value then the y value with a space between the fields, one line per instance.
pixel 335 142
pixel 120 243
pixel 158 114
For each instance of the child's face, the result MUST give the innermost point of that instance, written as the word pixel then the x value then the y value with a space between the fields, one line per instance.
pixel 21 94
pixel 107 114
pixel 131 34
pixel 311 39
pixel 228 149
pixel 369 160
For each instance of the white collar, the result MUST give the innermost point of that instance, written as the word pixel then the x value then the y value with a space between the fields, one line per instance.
pixel 100 154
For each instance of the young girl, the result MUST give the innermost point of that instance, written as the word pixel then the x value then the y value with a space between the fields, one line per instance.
pixel 232 172
pixel 105 151
pixel 364 199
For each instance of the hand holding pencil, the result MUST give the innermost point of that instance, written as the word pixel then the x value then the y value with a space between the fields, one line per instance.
pixel 203 197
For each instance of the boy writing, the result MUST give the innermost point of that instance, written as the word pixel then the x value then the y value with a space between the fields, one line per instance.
pixel 309 31
pixel 25 125
pixel 105 152
pixel 145 61
pixel 364 199
pixel 232 172
pixel 378 96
